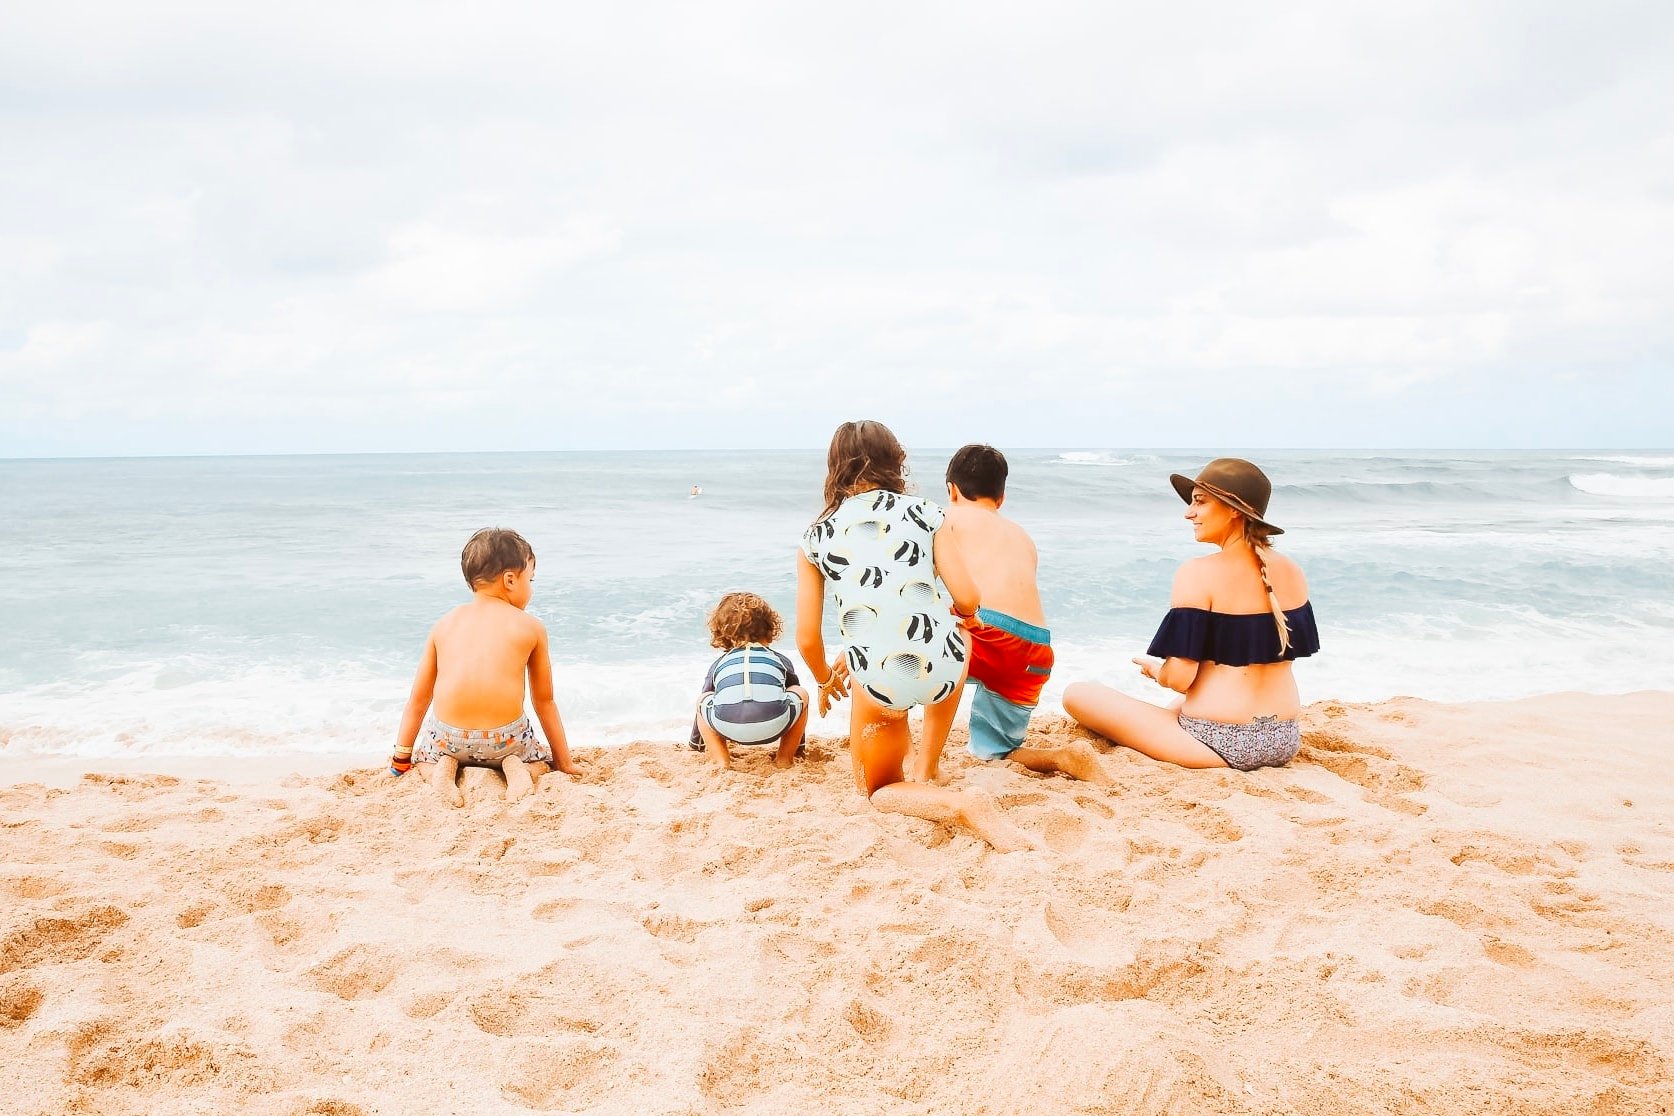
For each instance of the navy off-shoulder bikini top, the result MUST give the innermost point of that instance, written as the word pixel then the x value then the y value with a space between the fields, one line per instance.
pixel 1234 638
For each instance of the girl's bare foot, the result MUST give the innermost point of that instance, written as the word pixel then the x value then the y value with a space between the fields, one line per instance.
pixel 985 818
pixel 519 783
pixel 443 779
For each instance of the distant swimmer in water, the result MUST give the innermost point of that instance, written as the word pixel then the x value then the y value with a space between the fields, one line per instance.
pixel 1237 619
pixel 697 490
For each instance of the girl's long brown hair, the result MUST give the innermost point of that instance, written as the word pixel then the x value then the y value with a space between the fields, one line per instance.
pixel 863 455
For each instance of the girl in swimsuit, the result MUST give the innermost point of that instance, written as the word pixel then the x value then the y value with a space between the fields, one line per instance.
pixel 1236 621
pixel 880 552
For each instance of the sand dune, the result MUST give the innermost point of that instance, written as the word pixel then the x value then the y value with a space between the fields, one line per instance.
pixel 1435 909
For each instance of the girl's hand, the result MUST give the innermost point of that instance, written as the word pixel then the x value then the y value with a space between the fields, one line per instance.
pixel 836 687
pixel 1149 666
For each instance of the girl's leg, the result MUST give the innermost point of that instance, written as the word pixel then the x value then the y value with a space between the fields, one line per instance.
pixel 792 740
pixel 1146 728
pixel 938 722
pixel 878 741
pixel 447 770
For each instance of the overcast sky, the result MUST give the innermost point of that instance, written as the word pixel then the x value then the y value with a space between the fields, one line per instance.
pixel 364 227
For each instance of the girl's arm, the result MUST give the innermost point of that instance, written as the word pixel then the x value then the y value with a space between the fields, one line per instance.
pixel 418 701
pixel 546 709
pixel 950 567
pixel 810 615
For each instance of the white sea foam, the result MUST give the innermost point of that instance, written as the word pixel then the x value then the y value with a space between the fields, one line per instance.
pixel 1630 488
pixel 1105 457
pixel 1645 462
pixel 276 712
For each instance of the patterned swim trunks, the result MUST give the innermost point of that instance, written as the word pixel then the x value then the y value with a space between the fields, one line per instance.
pixel 483 747
pixel 1263 742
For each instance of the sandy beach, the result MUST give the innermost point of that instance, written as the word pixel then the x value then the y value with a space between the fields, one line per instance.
pixel 1436 908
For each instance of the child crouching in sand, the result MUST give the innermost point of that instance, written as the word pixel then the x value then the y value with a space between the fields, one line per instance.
pixel 472 678
pixel 751 694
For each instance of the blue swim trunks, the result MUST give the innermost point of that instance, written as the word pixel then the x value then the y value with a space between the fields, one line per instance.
pixel 1010 663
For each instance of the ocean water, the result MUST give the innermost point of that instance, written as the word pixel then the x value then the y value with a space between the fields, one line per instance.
pixel 244 605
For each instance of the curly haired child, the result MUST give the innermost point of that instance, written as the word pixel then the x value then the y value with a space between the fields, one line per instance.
pixel 751 694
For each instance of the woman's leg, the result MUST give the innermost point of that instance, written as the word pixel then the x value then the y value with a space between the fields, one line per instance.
pixel 878 741
pixel 1146 728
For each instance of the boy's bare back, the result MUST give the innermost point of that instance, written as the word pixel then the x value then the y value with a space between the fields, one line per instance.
pixel 1000 557
pixel 482 650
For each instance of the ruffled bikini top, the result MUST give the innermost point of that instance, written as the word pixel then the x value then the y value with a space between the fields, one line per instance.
pixel 1234 638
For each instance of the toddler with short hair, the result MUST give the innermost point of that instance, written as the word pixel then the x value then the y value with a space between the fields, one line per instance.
pixel 472 678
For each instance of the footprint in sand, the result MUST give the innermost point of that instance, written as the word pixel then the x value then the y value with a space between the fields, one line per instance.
pixel 106 1053
pixel 1065 831
pixel 868 1022
pixel 59 939
pixel 358 972
pixel 40 887
pixel 192 915
pixel 530 1011
pixel 19 1000
pixel 1384 781
pixel 1507 953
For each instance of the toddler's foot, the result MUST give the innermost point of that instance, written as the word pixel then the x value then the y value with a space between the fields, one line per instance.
pixel 519 783
pixel 447 770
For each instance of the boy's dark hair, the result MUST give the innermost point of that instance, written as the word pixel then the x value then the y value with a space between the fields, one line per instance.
pixel 742 618
pixel 979 471
pixel 491 552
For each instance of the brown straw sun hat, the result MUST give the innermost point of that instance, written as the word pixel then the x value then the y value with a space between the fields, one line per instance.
pixel 1236 483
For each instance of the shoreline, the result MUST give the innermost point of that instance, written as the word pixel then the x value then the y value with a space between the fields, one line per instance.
pixel 1435 908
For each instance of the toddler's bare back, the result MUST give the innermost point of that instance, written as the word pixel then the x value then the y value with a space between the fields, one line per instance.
pixel 482 658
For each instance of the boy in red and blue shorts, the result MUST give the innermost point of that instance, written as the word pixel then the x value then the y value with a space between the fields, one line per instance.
pixel 1011 648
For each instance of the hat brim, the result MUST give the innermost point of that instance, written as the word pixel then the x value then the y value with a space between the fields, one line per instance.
pixel 1184 485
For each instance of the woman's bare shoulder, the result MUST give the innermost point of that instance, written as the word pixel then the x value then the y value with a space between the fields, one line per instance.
pixel 1289 582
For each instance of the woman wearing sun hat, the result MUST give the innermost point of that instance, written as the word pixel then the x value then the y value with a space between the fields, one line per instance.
pixel 1237 618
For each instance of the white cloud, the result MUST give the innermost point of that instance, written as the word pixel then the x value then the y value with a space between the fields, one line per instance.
pixel 221 224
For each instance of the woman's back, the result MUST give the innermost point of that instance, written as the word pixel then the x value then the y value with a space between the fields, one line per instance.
pixel 1227 583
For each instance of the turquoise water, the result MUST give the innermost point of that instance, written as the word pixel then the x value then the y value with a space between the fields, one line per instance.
pixel 270 604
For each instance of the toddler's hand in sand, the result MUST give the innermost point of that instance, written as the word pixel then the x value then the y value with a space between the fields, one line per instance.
pixel 836 687
pixel 568 768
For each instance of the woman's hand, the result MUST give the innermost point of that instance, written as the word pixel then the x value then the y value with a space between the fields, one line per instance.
pixel 1150 666
pixel 836 686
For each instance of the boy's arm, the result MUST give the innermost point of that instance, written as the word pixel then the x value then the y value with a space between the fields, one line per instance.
pixel 949 561
pixel 546 709
pixel 418 701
